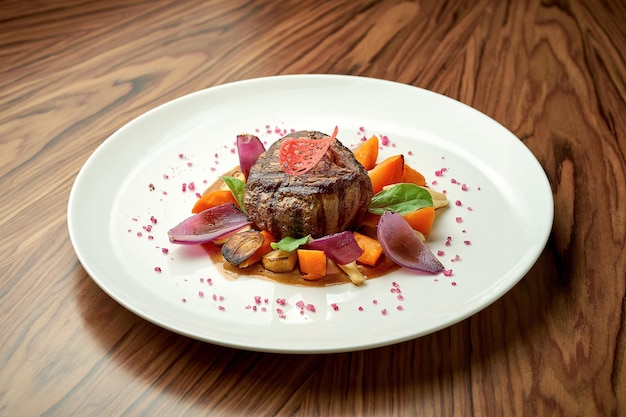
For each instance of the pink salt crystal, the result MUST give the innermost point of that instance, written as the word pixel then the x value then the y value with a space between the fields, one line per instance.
pixel 150 237
pixel 360 308
pixel 165 176
pixel 139 234
pixel 440 253
pixel 165 250
pixel 400 297
pixel 384 139
pixel 384 311
pixel 184 187
pixel 221 308
pixel 399 308
pixel 447 272
pixel 153 220
pixel 335 306
pixel 191 186
pixel 467 242
pixel 300 304
pixel 453 283
pixel 458 203
pixel 459 219
pixel 464 187
pixel 157 269
pixel 310 307
pixel 201 293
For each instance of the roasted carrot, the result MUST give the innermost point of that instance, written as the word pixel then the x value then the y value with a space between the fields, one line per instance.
pixel 212 199
pixel 258 254
pixel 367 153
pixel 312 264
pixel 371 249
pixel 389 171
pixel 421 220
pixel 412 176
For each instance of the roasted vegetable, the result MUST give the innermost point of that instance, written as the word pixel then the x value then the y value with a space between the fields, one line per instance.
pixel 280 261
pixel 354 273
pixel 208 225
pixel 242 246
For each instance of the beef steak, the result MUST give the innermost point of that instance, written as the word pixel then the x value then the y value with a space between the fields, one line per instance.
pixel 331 197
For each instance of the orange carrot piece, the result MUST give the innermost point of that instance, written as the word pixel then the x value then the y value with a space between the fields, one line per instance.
pixel 312 264
pixel 212 199
pixel 367 153
pixel 371 249
pixel 264 249
pixel 421 220
pixel 387 172
pixel 412 176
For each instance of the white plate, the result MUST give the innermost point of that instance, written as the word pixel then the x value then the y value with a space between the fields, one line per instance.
pixel 505 214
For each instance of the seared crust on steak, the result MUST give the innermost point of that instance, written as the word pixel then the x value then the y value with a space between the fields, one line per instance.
pixel 331 197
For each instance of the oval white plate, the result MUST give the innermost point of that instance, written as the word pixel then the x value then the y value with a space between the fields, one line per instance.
pixel 136 186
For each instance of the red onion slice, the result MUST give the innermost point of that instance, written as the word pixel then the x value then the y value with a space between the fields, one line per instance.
pixel 208 225
pixel 249 147
pixel 401 244
pixel 340 247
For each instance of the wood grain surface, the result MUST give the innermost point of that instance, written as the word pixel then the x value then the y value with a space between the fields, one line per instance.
pixel 553 72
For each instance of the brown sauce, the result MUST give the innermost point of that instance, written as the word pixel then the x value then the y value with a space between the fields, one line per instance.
pixel 383 267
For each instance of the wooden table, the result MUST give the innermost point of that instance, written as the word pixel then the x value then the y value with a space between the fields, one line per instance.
pixel 73 72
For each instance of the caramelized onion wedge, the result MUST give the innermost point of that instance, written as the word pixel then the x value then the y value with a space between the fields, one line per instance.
pixel 208 225
pixel 340 247
pixel 401 244
pixel 249 148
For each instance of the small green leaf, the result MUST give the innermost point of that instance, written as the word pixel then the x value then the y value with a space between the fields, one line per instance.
pixel 236 187
pixel 290 244
pixel 401 198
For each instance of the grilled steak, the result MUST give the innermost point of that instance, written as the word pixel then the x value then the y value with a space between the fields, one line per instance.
pixel 331 197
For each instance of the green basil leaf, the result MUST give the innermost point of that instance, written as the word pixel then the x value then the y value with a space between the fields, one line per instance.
pixel 236 187
pixel 290 244
pixel 401 198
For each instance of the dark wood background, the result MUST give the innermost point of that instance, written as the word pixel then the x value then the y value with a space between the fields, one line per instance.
pixel 553 72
